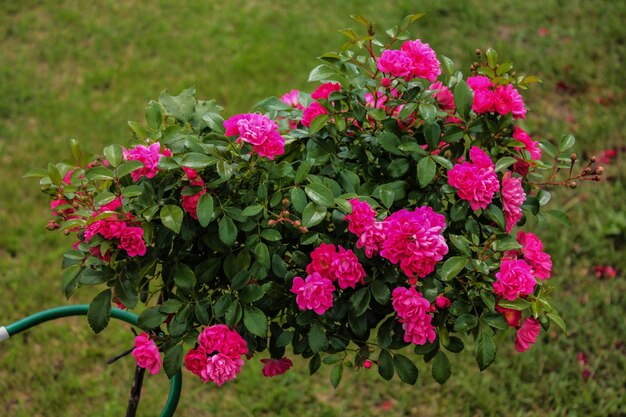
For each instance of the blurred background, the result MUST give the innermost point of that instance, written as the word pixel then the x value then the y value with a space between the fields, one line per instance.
pixel 75 69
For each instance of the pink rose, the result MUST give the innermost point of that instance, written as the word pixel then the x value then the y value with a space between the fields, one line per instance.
pixel 361 218
pixel 315 293
pixel 508 100
pixel 310 113
pixel 195 360
pixel 419 331
pixel 149 156
pixel 111 228
pixel 221 368
pixel 530 146
pixel 292 98
pixel 513 317
pixel 514 279
pixel 273 367
pixel 222 339
pixel 527 334
pixel 146 354
pixel 346 269
pixel 321 259
pixel 475 181
pixel 408 303
pixel 444 96
pixel 324 90
pixel 372 239
pixel 424 60
pixel 259 131
pixel 442 302
pixel 132 242
pixel 483 101
pixel 395 63
pixel 513 197
pixel 532 250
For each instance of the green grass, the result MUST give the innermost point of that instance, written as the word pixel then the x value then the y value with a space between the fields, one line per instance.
pixel 82 69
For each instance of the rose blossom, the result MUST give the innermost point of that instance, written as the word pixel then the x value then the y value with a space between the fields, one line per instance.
pixel 508 100
pixel 259 131
pixel 315 293
pixel 149 156
pixel 514 279
pixel 315 109
pixel 532 250
pixel 527 334
pixel 292 98
pixel 221 368
pixel 195 360
pixel 346 269
pixel 513 317
pixel 442 302
pixel 324 90
pixel 444 96
pixel 190 202
pixel 394 62
pixel 513 197
pixel 146 354
pixel 530 146
pixel 413 239
pixel 222 339
pixel 361 218
pixel 132 242
pixel 111 228
pixel 273 367
pixel 321 259
pixel 419 331
pixel 424 60
pixel 408 303
pixel 372 239
pixel 483 101
pixel 475 181
pixel 479 82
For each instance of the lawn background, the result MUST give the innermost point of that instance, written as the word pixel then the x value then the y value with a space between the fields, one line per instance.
pixel 75 69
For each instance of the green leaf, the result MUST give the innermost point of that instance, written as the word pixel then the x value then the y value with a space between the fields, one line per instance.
pixel 151 318
pixel 284 339
pixel 463 98
pixel 198 160
pixel 317 338
pixel 517 304
pixel 184 277
pixel 251 293
pixel 322 72
pixel 398 167
pixel 181 106
pixel 335 375
pixel 100 173
pixel 54 174
pixel 561 216
pixel 485 350
pixel 383 334
pixel 313 214
pixel 495 320
pixel 298 199
pixel 255 321
pixel 455 345
pixel 126 292
pixel 359 302
pixel 70 280
pixel 269 104
pixel 154 117
pixel 99 311
pixel 113 154
pixel 227 231
pixel 320 194
pixel 504 162
pixel 252 210
pixel 303 170
pixel 318 123
pixel 495 214
pixel 557 320
pixel 506 243
pixel 271 235
pixel 380 291
pixel 103 198
pixel 385 365
pixel 492 57
pixel 465 322
pixel 441 368
pixel 202 314
pixel 314 363
pixel 452 267
pixel 138 130
pixel 172 217
pixel 262 254
pixel 128 167
pixel 406 369
pixel 428 112
pixel 205 209
pixel 566 143
pixel 170 306
pixel 172 360
pixel 426 171
pixel 36 173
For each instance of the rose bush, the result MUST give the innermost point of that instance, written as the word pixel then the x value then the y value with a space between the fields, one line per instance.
pixel 374 217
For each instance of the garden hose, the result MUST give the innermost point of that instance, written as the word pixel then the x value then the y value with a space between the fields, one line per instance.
pixel 81 310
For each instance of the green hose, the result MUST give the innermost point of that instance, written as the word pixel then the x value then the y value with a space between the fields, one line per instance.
pixel 176 381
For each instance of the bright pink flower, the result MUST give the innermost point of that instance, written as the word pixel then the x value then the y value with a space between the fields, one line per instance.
pixel 483 101
pixel 292 98
pixel 508 100
pixel 146 354
pixel 513 317
pixel 324 90
pixel 315 293
pixel 424 60
pixel 60 202
pixel 190 203
pixel 419 331
pixel 513 197
pixel 367 364
pixel 379 103
pixel 222 339
pixel 191 174
pixel 532 250
pixel 273 367
pixel 395 63
pixel 409 303
pixel 479 82
pixel 195 360
pixel 113 205
pixel 532 147
pixel 97 252
pixel 514 279
pixel 442 302
pixel 259 131
pixel 221 368
pixel 385 82
pixel 149 156
pixel 311 112
pixel 321 259
pixel 444 96
pixel 414 239
pixel 132 242
pixel 475 181
pixel 604 271
pixel 527 334
pixel 111 228
pixel 346 269
pixel 372 238
pixel 361 218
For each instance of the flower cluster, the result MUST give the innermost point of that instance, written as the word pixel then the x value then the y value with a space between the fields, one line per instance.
pixel 413 311
pixel 502 99
pixel 218 357
pixel 414 60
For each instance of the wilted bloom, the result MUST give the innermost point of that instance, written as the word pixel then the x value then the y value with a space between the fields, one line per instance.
pixel 146 354
pixel 527 334
pixel 273 367
pixel 315 293
pixel 604 271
